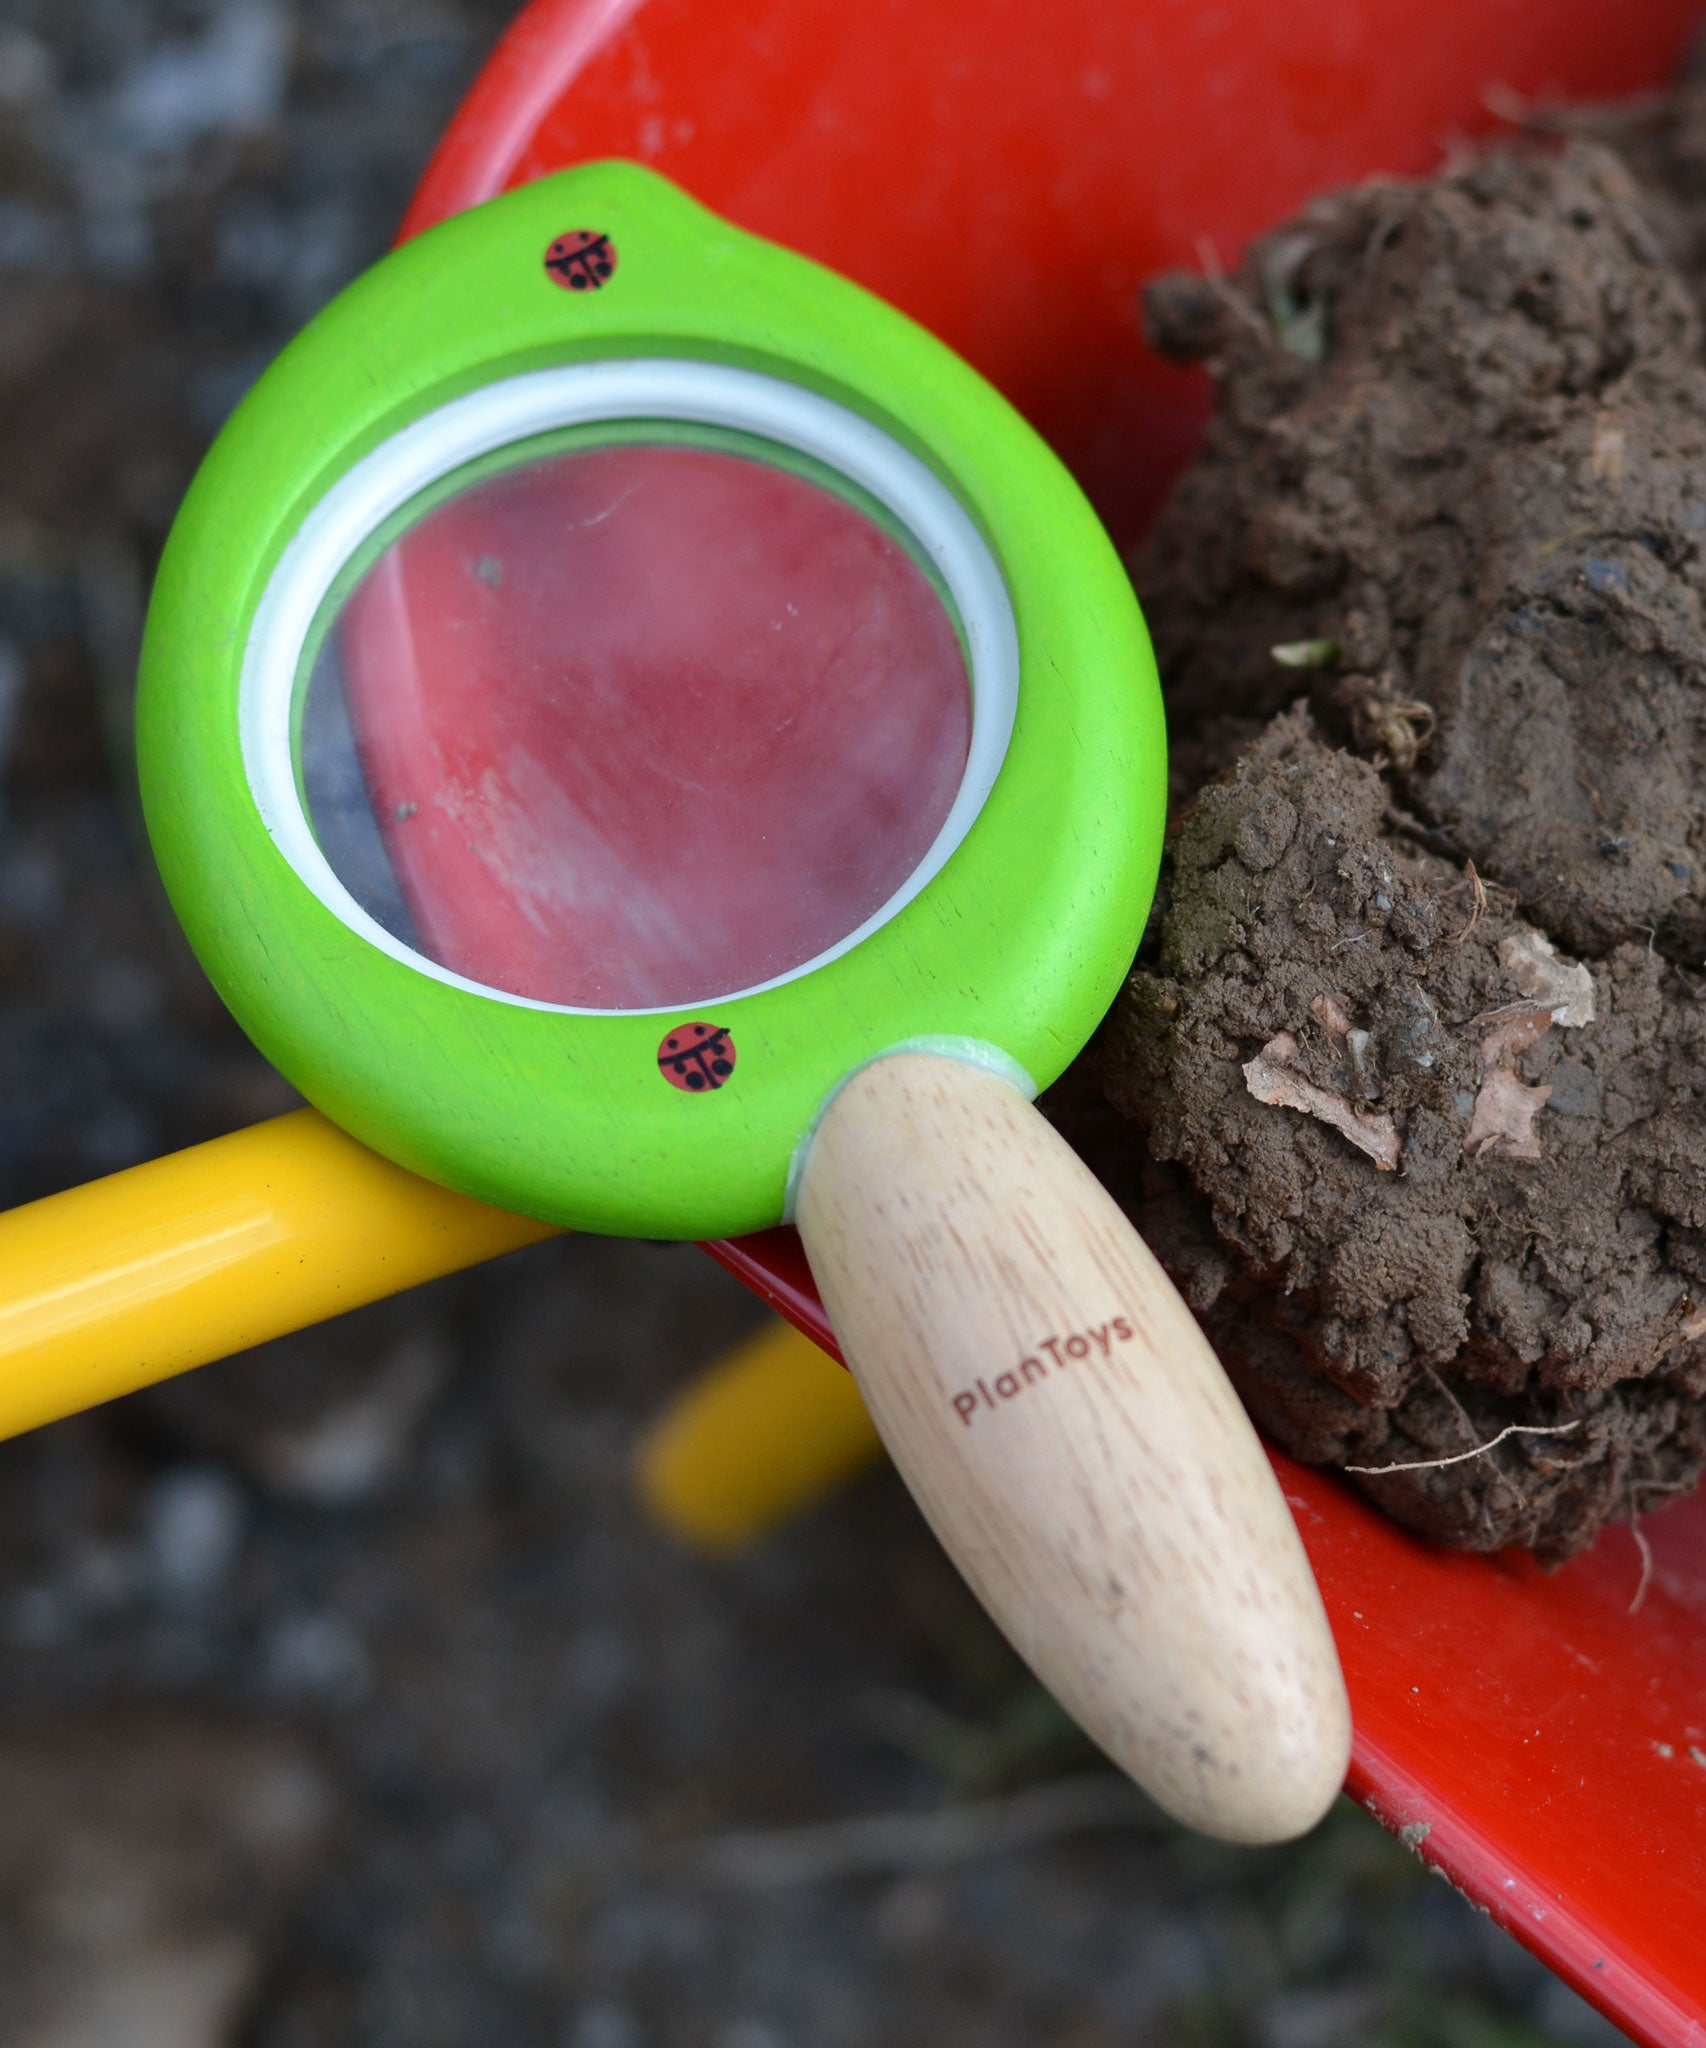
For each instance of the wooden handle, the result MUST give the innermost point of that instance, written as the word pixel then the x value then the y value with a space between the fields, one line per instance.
pixel 1074 1443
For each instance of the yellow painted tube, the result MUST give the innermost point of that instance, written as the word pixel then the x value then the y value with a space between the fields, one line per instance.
pixel 763 1433
pixel 149 1272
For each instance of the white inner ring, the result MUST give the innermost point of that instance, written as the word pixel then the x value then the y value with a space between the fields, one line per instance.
pixel 648 390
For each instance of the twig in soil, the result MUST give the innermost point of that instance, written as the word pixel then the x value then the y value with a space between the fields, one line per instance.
pixel 1480 1450
pixel 1478 907
pixel 765 1859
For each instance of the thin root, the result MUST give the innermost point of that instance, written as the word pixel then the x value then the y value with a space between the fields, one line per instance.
pixel 1215 278
pixel 1478 909
pixel 1480 1450
pixel 1646 1550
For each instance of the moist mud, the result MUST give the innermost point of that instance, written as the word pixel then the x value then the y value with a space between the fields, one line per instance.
pixel 1408 1079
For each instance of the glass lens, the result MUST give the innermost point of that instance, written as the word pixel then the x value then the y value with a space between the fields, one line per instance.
pixel 633 725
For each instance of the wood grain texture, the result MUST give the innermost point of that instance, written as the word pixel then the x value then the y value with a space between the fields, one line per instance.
pixel 1074 1443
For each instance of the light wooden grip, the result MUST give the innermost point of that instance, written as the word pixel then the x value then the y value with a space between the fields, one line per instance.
pixel 1074 1443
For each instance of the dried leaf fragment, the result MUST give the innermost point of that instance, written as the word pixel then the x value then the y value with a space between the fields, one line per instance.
pixel 1272 1076
pixel 1515 1028
pixel 1554 992
pixel 1565 986
pixel 1503 1117
pixel 1330 1013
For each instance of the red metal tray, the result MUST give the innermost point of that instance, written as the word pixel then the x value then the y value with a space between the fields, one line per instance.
pixel 1007 175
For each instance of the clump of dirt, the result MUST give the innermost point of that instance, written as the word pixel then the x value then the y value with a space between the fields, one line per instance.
pixel 1417 1019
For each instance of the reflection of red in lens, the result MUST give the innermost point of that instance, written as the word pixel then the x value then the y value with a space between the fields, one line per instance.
pixel 673 722
pixel 583 260
pixel 697 1057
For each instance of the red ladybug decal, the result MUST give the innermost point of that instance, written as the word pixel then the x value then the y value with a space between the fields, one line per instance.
pixel 696 1058
pixel 582 260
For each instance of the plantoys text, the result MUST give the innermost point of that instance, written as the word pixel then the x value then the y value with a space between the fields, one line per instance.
pixel 1100 1339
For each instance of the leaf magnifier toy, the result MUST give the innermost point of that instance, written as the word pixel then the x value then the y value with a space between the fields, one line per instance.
pixel 641 734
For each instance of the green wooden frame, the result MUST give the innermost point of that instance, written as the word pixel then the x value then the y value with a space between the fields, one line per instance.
pixel 1018 943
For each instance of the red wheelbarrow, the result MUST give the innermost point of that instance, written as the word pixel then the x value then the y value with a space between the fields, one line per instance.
pixel 1009 179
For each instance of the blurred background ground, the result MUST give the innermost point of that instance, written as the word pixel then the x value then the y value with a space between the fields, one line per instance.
pixel 345 1695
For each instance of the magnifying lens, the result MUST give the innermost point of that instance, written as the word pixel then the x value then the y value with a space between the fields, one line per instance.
pixel 639 733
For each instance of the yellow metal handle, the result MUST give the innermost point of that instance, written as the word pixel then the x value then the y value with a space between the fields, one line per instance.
pixel 765 1431
pixel 147 1273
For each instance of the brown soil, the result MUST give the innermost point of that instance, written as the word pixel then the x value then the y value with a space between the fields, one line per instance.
pixel 1457 478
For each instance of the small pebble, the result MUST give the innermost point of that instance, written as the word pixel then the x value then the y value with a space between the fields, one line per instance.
pixel 194 1521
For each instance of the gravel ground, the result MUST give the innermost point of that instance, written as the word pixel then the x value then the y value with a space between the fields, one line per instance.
pixel 345 1697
